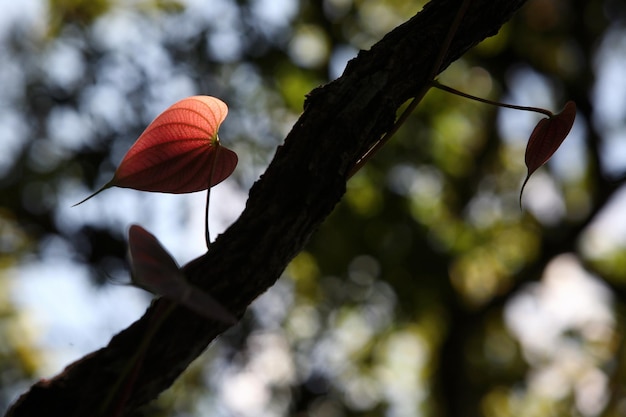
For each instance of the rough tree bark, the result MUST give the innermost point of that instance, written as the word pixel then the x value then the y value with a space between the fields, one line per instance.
pixel 305 180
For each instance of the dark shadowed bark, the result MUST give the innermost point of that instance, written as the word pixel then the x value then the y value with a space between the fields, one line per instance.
pixel 305 180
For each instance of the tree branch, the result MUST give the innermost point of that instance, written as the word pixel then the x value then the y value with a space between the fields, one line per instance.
pixel 300 188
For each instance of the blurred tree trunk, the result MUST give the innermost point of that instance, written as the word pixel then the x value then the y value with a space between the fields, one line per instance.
pixel 305 180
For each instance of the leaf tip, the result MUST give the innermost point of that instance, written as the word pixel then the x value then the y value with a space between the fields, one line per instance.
pixel 521 191
pixel 104 187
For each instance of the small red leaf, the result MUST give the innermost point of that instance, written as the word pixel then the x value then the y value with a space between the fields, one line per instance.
pixel 546 138
pixel 179 152
pixel 155 270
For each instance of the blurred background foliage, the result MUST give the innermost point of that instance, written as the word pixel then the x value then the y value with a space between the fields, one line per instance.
pixel 427 292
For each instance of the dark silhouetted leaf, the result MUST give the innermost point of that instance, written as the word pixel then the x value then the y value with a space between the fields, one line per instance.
pixel 155 270
pixel 546 139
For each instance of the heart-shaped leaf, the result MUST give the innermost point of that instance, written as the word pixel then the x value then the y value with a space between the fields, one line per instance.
pixel 154 269
pixel 179 152
pixel 546 139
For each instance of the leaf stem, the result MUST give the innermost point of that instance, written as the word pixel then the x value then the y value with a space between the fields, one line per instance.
pixel 131 371
pixel 207 233
pixel 420 94
pixel 443 87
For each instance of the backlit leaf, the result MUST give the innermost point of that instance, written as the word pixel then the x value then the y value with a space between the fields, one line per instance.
pixel 179 152
pixel 546 139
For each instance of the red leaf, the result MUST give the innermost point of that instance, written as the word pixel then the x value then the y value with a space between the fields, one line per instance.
pixel 179 152
pixel 546 139
pixel 155 270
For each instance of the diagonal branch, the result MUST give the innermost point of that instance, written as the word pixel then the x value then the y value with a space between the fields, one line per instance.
pixel 300 188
